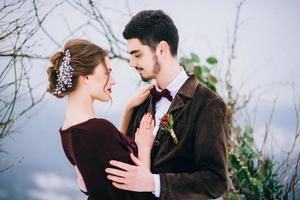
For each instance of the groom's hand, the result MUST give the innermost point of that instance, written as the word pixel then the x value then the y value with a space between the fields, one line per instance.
pixel 136 178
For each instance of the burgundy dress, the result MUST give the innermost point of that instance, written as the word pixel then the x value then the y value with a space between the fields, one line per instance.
pixel 90 146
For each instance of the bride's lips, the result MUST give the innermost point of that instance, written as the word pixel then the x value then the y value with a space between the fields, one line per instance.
pixel 109 90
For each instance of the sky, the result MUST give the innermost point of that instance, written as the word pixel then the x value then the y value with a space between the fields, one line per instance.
pixel 267 60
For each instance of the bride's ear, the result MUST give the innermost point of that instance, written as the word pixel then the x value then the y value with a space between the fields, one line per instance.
pixel 83 79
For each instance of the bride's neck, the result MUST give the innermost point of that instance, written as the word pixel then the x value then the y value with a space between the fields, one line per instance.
pixel 79 107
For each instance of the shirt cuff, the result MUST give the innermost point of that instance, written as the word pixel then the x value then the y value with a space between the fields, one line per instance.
pixel 156 185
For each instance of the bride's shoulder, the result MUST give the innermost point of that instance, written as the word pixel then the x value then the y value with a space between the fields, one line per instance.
pixel 96 129
pixel 103 124
pixel 94 125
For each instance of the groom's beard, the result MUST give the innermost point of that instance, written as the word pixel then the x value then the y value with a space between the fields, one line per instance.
pixel 156 65
pixel 155 70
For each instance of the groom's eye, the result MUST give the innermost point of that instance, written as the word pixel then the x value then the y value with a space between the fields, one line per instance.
pixel 138 55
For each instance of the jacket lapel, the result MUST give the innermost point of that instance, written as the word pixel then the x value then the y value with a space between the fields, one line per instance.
pixel 151 107
pixel 187 90
pixel 183 96
pixel 177 103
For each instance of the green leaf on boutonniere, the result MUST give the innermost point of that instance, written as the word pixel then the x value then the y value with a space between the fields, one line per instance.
pixel 166 124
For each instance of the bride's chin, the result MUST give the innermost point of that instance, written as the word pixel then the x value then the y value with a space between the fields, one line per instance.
pixel 105 98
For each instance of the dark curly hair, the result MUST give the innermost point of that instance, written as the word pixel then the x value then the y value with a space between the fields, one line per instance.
pixel 152 27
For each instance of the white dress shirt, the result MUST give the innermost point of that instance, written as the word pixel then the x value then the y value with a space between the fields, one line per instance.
pixel 161 108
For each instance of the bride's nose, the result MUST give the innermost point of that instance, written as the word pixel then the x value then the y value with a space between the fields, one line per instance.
pixel 112 81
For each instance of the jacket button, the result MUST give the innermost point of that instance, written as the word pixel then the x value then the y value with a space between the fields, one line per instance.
pixel 156 142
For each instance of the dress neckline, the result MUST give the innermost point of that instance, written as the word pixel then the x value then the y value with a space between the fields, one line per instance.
pixel 80 123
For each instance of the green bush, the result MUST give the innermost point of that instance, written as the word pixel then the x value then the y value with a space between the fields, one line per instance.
pixel 251 175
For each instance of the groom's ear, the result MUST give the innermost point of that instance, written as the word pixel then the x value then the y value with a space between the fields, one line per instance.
pixel 163 48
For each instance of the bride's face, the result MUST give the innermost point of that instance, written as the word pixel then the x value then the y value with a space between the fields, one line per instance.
pixel 99 84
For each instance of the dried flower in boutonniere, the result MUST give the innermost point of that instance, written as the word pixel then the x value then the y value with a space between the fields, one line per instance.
pixel 166 124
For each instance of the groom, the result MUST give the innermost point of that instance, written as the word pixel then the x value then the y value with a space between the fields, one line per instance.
pixel 195 167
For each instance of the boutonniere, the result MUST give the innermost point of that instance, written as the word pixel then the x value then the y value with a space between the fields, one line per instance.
pixel 166 124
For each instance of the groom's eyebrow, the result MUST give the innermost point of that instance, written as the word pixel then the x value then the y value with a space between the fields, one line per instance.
pixel 133 51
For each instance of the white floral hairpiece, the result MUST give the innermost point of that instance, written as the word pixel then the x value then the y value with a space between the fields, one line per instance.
pixel 64 74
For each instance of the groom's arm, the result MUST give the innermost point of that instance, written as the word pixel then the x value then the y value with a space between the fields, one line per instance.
pixel 210 157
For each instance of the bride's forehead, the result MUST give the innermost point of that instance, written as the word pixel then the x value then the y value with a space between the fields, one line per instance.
pixel 103 67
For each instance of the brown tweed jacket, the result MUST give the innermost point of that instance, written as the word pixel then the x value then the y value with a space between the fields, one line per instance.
pixel 196 167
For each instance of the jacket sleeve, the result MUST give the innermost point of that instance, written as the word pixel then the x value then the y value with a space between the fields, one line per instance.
pixel 210 156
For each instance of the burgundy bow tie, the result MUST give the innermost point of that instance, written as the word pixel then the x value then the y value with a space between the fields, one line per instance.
pixel 158 95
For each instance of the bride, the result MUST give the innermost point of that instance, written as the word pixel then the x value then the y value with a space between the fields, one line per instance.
pixel 82 73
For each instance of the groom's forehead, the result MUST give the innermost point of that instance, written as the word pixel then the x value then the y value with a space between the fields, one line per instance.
pixel 134 46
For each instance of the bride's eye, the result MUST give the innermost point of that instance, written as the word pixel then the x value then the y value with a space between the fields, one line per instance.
pixel 108 71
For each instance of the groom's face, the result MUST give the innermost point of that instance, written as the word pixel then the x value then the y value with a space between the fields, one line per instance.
pixel 143 59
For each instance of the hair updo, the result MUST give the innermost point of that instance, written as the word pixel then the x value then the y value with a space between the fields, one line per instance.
pixel 85 57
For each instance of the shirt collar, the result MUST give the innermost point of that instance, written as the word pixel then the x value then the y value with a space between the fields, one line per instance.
pixel 176 84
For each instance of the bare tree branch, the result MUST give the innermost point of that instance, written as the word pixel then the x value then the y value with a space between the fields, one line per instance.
pixel 40 21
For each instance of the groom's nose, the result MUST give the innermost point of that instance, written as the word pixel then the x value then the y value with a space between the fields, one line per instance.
pixel 132 63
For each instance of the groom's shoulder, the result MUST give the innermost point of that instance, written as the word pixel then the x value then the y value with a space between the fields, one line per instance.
pixel 204 92
pixel 195 89
pixel 206 96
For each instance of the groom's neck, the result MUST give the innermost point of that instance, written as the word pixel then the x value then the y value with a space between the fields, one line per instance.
pixel 168 72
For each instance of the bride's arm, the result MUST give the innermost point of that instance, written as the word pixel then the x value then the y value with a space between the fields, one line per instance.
pixel 138 99
pixel 125 118
pixel 80 181
pixel 144 156
pixel 144 139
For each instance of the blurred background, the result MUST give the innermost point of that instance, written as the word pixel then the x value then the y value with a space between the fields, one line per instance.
pixel 247 51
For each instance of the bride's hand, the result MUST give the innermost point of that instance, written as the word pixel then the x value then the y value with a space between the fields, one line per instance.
pixel 140 96
pixel 144 135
